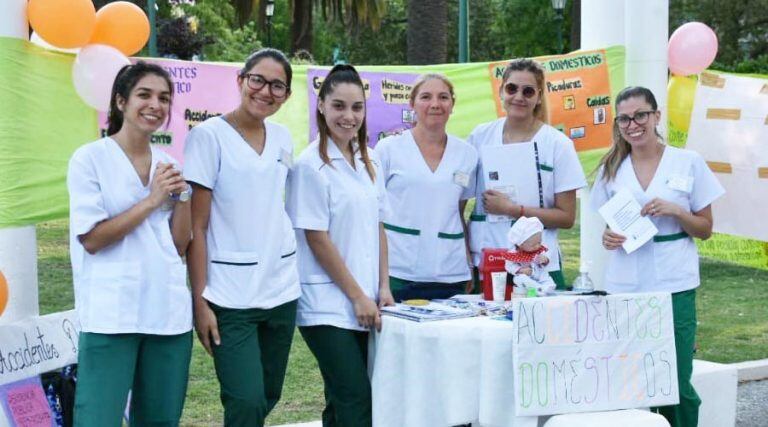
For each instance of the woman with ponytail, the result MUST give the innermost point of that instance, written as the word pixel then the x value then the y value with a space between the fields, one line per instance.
pixel 337 201
pixel 129 226
pixel 675 189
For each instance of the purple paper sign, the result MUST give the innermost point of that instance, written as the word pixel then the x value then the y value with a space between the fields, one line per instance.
pixel 387 97
pixel 25 404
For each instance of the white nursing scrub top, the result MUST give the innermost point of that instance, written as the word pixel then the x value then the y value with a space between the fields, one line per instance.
pixel 424 232
pixel 669 262
pixel 344 202
pixel 560 172
pixel 137 284
pixel 251 244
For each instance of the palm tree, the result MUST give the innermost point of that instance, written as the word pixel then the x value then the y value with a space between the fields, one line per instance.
pixel 352 13
pixel 427 31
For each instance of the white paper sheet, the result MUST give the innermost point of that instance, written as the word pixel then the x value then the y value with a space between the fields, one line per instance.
pixel 622 214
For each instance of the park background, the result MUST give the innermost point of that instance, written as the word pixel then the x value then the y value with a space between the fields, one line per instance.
pixel 218 30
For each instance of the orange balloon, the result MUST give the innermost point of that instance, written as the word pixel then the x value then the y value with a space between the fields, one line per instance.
pixel 122 25
pixel 62 23
pixel 3 293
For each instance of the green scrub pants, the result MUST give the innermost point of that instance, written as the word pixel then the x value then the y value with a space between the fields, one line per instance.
pixel 685 414
pixel 154 367
pixel 251 360
pixel 342 355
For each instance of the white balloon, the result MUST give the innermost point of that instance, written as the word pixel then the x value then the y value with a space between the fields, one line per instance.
pixel 37 40
pixel 94 71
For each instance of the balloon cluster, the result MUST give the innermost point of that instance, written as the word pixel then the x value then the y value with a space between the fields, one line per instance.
pixel 103 40
pixel 692 48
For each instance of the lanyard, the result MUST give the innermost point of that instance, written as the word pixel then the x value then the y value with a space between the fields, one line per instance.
pixel 538 174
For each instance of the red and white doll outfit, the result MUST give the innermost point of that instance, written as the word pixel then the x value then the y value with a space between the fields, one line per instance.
pixel 518 259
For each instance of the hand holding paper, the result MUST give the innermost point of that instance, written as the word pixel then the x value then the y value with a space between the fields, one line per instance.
pixel 623 215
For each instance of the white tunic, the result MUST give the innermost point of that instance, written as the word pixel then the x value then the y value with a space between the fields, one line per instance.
pixel 344 202
pixel 251 245
pixel 137 284
pixel 671 263
pixel 424 232
pixel 560 172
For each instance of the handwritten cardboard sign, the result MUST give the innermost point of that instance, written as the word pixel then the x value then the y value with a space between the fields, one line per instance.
pixel 578 354
pixel 38 344
pixel 25 404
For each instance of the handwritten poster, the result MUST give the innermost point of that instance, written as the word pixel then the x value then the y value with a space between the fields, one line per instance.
pixel 594 353
pixel 578 92
pixel 387 98
pixel 25 404
pixel 38 344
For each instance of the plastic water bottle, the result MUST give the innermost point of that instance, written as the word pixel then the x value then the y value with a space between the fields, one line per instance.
pixel 583 282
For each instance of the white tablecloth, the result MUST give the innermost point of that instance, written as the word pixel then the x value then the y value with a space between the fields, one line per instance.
pixel 443 373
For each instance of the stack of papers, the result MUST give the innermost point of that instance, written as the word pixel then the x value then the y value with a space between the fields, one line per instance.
pixel 427 313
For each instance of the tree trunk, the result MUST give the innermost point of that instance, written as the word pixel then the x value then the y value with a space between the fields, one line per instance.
pixel 427 36
pixel 301 26
pixel 575 25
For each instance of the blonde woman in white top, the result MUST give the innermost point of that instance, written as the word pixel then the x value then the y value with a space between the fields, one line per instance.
pixel 429 176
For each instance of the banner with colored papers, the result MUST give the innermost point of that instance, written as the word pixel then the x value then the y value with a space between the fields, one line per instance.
pixel 387 102
pixel 578 91
pixel 591 353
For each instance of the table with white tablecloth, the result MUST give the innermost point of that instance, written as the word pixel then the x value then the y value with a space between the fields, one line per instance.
pixel 444 373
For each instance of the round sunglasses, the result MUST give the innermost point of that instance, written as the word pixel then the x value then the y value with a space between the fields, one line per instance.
pixel 512 88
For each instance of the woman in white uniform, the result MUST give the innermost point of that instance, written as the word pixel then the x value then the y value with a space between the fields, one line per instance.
pixel 242 260
pixel 676 189
pixel 337 201
pixel 429 176
pixel 129 224
pixel 542 175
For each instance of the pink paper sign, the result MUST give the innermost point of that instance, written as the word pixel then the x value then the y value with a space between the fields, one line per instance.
pixel 25 404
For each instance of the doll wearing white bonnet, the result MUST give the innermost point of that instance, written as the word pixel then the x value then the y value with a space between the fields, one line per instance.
pixel 521 231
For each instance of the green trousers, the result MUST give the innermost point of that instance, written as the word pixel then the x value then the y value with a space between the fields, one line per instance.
pixel 154 367
pixel 342 355
pixel 685 414
pixel 251 360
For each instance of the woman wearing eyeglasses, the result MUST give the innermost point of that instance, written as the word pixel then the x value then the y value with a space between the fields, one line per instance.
pixel 242 262
pixel 676 189
pixel 542 174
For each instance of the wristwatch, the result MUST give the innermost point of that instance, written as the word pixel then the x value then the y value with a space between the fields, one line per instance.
pixel 186 195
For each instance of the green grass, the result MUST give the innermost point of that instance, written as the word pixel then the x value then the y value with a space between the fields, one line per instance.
pixel 733 327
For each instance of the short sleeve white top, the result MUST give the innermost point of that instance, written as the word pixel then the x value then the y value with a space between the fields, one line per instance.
pixel 137 284
pixel 424 232
pixel 347 204
pixel 560 171
pixel 669 262
pixel 251 244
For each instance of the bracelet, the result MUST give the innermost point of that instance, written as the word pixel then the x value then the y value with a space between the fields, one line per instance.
pixel 522 211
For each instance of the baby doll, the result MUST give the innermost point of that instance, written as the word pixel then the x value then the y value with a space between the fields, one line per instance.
pixel 527 259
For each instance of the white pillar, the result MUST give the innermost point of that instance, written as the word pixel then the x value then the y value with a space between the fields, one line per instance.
pixel 646 36
pixel 602 25
pixel 13 19
pixel 18 245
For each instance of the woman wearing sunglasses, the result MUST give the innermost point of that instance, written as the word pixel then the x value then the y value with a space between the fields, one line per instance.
pixel 429 177
pixel 242 261
pixel 542 175
pixel 676 189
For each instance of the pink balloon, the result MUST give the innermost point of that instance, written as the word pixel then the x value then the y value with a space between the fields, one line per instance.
pixel 692 48
pixel 94 71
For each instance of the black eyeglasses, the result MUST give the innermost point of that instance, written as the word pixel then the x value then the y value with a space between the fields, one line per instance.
pixel 640 117
pixel 277 88
pixel 528 91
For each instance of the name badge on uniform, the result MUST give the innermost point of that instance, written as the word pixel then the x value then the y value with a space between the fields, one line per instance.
pixel 461 178
pixel 680 183
pixel 286 158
